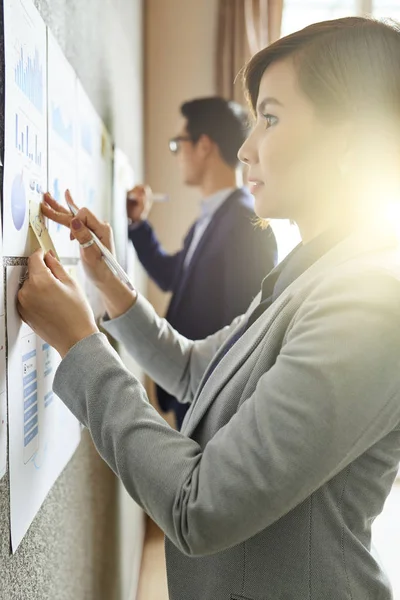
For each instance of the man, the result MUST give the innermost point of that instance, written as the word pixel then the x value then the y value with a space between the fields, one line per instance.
pixel 224 257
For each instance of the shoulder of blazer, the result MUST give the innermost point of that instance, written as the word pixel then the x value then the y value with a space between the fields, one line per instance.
pixel 243 217
pixel 237 207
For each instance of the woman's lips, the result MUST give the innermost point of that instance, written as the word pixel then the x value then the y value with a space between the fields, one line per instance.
pixel 254 186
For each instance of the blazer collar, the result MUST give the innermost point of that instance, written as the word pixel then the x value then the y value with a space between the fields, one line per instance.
pixel 365 240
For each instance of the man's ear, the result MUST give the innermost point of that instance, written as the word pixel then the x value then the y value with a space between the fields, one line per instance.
pixel 205 145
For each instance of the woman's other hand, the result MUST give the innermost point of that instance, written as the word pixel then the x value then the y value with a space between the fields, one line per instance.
pixel 53 305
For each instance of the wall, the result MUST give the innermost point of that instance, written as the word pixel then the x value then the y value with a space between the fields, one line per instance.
pixel 74 546
pixel 179 65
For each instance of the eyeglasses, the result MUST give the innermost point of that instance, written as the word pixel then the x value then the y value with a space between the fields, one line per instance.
pixel 174 143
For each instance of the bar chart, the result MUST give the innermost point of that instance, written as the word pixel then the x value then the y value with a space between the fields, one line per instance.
pixel 27 142
pixel 28 74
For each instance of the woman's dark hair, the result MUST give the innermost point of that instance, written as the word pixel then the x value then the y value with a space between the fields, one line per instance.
pixel 226 123
pixel 347 67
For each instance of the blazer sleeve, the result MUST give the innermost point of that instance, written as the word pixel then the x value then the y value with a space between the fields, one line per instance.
pixel 162 267
pixel 331 395
pixel 170 359
pixel 249 255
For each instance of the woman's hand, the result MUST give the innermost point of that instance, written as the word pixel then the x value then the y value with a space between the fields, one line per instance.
pixel 52 304
pixel 118 298
pixel 80 227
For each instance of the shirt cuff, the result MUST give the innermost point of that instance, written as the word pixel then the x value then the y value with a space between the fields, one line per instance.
pixel 135 225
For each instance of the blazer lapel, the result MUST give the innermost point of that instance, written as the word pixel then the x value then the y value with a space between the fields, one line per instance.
pixel 206 239
pixel 359 243
pixel 229 364
pixel 179 279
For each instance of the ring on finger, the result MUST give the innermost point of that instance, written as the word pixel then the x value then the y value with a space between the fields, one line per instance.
pixel 87 244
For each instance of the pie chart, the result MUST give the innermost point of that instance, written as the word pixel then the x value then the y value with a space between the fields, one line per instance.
pixel 18 202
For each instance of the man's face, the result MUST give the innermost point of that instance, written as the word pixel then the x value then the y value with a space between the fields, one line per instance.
pixel 191 159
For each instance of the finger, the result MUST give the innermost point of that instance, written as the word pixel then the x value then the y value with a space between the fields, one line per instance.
pixel 57 217
pixel 36 262
pixel 48 198
pixel 89 220
pixel 56 267
pixel 20 308
pixel 24 314
pixel 83 235
pixel 55 212
pixel 70 199
pixel 139 191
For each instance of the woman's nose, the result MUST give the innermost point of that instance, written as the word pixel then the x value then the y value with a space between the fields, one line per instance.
pixel 247 152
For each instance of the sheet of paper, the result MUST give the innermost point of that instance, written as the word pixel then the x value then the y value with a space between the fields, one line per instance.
pixel 39 228
pixel 3 398
pixel 123 181
pixel 94 176
pixel 104 174
pixel 25 168
pixel 90 130
pixel 62 139
pixel 43 433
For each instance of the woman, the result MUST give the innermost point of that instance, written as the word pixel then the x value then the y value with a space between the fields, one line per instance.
pixel 292 441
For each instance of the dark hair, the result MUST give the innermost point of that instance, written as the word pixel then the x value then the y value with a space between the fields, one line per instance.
pixel 346 67
pixel 225 123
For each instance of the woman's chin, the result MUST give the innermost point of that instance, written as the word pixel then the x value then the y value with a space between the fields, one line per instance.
pixel 264 209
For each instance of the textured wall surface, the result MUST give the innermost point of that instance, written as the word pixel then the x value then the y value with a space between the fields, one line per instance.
pixel 71 551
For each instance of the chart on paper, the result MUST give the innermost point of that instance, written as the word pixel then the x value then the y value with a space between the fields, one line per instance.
pixel 3 398
pixel 43 433
pixel 62 140
pixel 25 152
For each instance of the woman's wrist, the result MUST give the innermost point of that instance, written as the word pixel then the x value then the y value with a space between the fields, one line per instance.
pixel 118 298
pixel 71 341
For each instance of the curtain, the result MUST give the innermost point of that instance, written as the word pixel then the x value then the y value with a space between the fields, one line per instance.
pixel 244 27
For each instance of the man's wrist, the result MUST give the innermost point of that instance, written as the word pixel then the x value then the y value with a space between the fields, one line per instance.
pixel 133 225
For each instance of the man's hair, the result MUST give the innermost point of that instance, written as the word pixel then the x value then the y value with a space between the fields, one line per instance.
pixel 225 123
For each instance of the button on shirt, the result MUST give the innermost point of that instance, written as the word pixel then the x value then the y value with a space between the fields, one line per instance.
pixel 209 207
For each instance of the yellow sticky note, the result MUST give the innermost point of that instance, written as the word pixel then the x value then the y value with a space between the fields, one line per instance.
pixel 38 225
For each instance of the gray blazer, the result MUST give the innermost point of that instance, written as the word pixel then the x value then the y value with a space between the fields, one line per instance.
pixel 289 448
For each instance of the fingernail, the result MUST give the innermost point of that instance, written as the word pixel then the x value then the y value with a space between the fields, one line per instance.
pixel 52 253
pixel 76 224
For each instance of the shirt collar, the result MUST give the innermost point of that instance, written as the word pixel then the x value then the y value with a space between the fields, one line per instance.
pixel 211 204
pixel 300 259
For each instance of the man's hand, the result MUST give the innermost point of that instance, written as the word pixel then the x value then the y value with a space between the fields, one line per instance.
pixel 53 305
pixel 139 201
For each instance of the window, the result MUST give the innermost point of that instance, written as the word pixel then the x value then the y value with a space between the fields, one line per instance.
pixel 385 8
pixel 300 13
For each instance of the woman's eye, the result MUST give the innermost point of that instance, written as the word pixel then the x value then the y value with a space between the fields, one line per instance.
pixel 270 120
